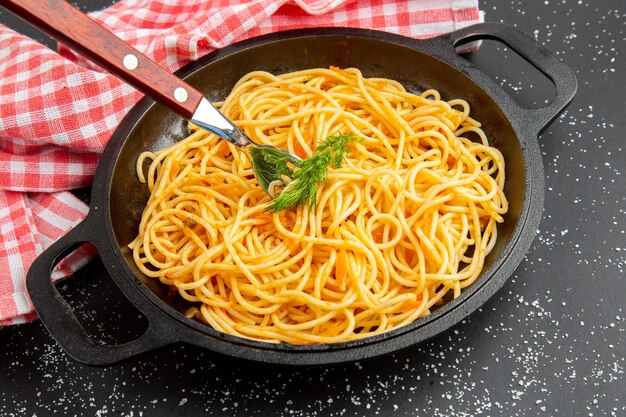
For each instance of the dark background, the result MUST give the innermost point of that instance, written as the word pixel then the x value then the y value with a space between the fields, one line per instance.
pixel 552 342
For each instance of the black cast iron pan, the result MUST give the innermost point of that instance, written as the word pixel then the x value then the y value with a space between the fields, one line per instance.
pixel 118 199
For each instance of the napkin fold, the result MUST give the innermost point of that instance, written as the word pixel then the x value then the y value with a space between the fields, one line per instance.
pixel 58 110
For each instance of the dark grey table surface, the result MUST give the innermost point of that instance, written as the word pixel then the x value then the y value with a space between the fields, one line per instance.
pixel 552 342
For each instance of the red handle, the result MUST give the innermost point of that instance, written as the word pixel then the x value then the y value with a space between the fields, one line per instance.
pixel 73 28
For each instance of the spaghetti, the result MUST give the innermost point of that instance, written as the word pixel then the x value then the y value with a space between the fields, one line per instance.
pixel 402 226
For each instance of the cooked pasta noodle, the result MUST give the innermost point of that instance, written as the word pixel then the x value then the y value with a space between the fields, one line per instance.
pixel 402 227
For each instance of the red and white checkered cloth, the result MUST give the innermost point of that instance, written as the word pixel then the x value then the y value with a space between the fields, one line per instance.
pixel 57 110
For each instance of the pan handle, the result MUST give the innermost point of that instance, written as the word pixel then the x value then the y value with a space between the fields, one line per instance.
pixel 58 317
pixel 536 54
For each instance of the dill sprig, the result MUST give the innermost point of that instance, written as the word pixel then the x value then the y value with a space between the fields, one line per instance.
pixel 311 172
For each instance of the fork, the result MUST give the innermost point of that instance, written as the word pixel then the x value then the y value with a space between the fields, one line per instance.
pixel 70 26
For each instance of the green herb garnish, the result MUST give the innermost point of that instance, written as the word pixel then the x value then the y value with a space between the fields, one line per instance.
pixel 312 172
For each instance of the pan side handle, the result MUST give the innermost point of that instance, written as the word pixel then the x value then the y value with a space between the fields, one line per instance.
pixel 536 54
pixel 58 317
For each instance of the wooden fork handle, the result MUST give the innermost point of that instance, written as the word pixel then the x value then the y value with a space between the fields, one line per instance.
pixel 78 31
